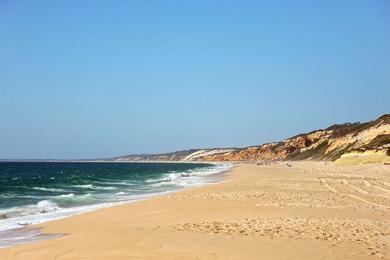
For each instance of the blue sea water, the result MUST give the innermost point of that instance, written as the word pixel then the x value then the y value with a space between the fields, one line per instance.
pixel 35 192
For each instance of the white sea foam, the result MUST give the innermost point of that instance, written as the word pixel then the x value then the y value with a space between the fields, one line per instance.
pixel 45 206
pixel 48 189
pixel 104 188
pixel 84 186
pixel 189 178
pixel 93 187
pixel 69 195
pixel 49 211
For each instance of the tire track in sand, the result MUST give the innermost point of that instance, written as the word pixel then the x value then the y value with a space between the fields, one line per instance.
pixel 324 182
pixel 381 189
pixel 355 188
pixel 373 186
pixel 368 202
pixel 361 191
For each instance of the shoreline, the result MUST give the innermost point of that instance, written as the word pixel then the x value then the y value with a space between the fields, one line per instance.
pixel 23 225
pixel 269 211
pixel 108 161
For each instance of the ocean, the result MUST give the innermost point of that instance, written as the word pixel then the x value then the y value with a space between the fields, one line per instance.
pixel 36 192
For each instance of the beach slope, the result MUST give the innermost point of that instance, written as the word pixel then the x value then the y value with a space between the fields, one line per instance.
pixel 311 210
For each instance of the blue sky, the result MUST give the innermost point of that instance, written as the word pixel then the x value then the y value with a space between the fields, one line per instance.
pixel 87 79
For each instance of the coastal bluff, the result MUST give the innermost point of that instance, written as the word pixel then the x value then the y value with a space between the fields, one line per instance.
pixel 344 143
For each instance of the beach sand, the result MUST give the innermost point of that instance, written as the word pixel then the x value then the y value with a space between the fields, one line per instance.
pixel 311 210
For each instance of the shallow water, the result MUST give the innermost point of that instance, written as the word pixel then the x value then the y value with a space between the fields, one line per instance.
pixel 18 236
pixel 36 192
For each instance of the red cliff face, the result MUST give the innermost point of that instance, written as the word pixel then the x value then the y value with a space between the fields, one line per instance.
pixel 327 144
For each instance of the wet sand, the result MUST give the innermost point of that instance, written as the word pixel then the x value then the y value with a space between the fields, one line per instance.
pixel 311 210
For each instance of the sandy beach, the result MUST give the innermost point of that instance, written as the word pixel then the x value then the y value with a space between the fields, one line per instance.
pixel 311 210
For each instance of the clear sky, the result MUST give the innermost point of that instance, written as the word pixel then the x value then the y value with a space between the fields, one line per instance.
pixel 87 79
